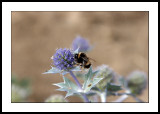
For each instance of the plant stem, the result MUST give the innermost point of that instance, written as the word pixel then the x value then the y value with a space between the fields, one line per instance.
pixel 103 97
pixel 79 85
pixel 125 95
pixel 137 99
pixel 122 98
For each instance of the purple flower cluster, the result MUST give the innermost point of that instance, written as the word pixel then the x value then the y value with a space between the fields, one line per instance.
pixel 63 59
pixel 80 43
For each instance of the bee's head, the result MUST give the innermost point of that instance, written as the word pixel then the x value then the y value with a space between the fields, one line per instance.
pixel 76 56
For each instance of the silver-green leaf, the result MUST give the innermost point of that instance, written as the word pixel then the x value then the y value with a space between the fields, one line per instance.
pixel 113 87
pixel 68 86
pixel 53 70
pixel 90 81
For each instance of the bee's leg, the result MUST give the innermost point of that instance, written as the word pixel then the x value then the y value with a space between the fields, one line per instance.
pixel 81 67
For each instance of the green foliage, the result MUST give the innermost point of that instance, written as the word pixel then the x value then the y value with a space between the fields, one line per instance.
pixel 68 86
pixel 90 81
pixel 107 74
pixel 55 70
pixel 55 99
pixel 72 89
pixel 113 87
pixel 20 89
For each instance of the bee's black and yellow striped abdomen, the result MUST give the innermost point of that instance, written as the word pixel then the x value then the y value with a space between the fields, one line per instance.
pixel 82 59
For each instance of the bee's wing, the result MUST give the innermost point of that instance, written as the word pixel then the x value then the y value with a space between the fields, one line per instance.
pixel 88 58
pixel 85 58
pixel 92 59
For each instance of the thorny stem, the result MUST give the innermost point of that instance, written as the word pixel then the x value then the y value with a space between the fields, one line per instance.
pixel 103 97
pixel 125 95
pixel 122 98
pixel 119 94
pixel 79 85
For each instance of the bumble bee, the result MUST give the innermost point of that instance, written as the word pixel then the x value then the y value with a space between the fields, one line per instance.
pixel 82 60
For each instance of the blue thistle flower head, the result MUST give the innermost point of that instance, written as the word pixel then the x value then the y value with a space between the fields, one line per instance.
pixel 81 43
pixel 64 62
pixel 63 59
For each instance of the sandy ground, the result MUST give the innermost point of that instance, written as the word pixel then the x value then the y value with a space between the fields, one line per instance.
pixel 120 40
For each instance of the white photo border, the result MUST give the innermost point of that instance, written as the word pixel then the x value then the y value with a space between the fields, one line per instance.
pixel 7 7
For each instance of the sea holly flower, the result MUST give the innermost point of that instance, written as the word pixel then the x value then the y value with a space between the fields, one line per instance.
pixel 107 74
pixel 81 43
pixel 137 81
pixel 55 99
pixel 106 85
pixel 134 84
pixel 63 60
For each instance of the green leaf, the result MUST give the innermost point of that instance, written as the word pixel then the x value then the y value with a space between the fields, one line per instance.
pixel 95 72
pixel 69 93
pixel 113 87
pixel 64 72
pixel 95 89
pixel 68 86
pixel 62 84
pixel 14 79
pixel 89 81
pixel 96 80
pixel 54 70
pixel 89 94
pixel 62 89
pixel 24 83
pixel 80 75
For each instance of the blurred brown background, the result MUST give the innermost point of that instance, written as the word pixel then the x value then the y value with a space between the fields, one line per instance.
pixel 120 40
